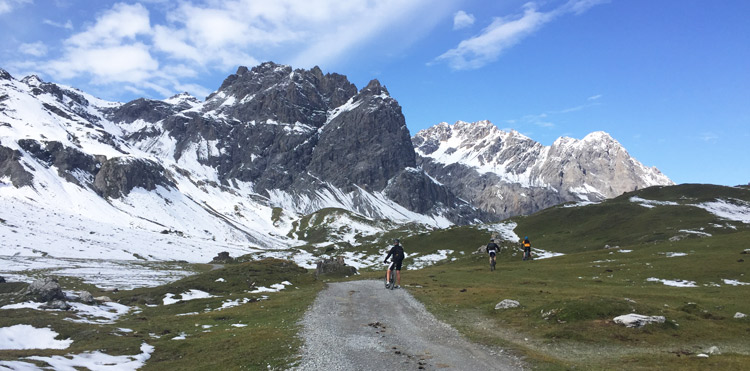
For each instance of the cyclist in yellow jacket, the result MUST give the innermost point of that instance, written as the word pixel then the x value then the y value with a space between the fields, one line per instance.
pixel 526 248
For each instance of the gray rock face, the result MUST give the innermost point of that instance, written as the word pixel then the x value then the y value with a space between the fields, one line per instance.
pixel 118 176
pixel 44 290
pixel 65 159
pixel 507 174
pixel 142 109
pixel 370 141
pixel 11 167
pixel 301 132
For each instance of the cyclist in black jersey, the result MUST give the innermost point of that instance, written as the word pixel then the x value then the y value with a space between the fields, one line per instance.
pixel 492 249
pixel 397 251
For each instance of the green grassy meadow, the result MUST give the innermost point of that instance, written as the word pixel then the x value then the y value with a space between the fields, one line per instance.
pixel 568 302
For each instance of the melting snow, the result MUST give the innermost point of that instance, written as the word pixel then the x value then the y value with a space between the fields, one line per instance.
pixel 191 294
pixel 695 232
pixel 542 254
pixel 737 210
pixel 105 313
pixel 735 282
pixel 674 283
pixel 651 203
pixel 274 288
pixel 675 254
pixel 30 337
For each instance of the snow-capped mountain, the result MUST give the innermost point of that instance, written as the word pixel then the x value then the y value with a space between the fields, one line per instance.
pixel 507 173
pixel 183 179
pixel 243 170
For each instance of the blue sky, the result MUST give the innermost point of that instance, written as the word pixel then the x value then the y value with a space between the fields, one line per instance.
pixel 669 79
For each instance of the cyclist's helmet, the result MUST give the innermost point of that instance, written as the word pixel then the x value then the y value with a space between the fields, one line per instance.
pixel 492 240
pixel 396 241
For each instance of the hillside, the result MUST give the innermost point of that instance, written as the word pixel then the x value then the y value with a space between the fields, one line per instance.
pixel 675 252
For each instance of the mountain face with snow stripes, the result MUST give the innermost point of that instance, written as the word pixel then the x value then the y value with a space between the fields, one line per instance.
pixel 238 170
pixel 507 173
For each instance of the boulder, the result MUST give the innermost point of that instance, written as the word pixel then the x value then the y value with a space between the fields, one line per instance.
pixel 739 315
pixel 334 265
pixel 638 320
pixel 104 299
pixel 45 289
pixel 86 297
pixel 222 258
pixel 57 304
pixel 507 303
pixel 2 280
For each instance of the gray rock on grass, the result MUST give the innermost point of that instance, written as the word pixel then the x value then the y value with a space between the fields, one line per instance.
pixel 638 320
pixel 44 290
pixel 507 304
pixel 86 297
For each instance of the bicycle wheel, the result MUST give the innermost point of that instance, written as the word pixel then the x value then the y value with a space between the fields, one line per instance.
pixel 393 280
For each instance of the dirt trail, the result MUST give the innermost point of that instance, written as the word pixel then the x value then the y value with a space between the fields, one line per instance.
pixel 359 325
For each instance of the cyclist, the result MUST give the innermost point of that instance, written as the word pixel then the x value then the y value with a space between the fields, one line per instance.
pixel 492 249
pixel 398 257
pixel 526 248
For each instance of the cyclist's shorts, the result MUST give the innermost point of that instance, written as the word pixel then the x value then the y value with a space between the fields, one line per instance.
pixel 492 253
pixel 396 265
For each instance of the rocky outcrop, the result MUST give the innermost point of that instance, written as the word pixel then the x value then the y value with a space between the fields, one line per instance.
pixel 334 266
pixel 142 109
pixel 370 140
pixel 66 159
pixel 11 167
pixel 45 290
pixel 507 174
pixel 120 175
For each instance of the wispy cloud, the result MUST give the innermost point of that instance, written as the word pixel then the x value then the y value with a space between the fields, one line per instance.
pixel 7 6
pixel 505 32
pixel 595 97
pixel 462 20
pixel 128 44
pixel 709 137
pixel 68 25
pixel 37 49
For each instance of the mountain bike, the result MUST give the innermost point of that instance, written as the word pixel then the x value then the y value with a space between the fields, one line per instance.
pixel 390 284
pixel 492 265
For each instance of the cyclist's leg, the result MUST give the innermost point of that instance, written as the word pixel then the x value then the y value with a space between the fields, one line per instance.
pixel 398 273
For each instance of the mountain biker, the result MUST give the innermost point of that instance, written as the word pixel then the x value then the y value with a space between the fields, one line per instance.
pixel 526 248
pixel 398 257
pixel 492 249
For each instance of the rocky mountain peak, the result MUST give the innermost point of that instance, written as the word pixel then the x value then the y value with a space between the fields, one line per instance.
pixel 32 80
pixel 5 75
pixel 374 88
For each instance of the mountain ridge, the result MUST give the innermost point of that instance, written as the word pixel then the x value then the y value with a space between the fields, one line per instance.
pixel 271 145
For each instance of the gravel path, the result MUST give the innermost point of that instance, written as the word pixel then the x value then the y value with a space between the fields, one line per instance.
pixel 360 325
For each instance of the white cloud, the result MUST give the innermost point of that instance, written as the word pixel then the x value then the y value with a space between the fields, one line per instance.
pixel 595 97
pixel 462 20
pixel 68 25
pixel 129 46
pixel 123 22
pixel 108 64
pixel 505 32
pixel 37 49
pixel 7 6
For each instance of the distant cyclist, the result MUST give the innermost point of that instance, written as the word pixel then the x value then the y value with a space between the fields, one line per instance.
pixel 397 251
pixel 526 248
pixel 492 249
